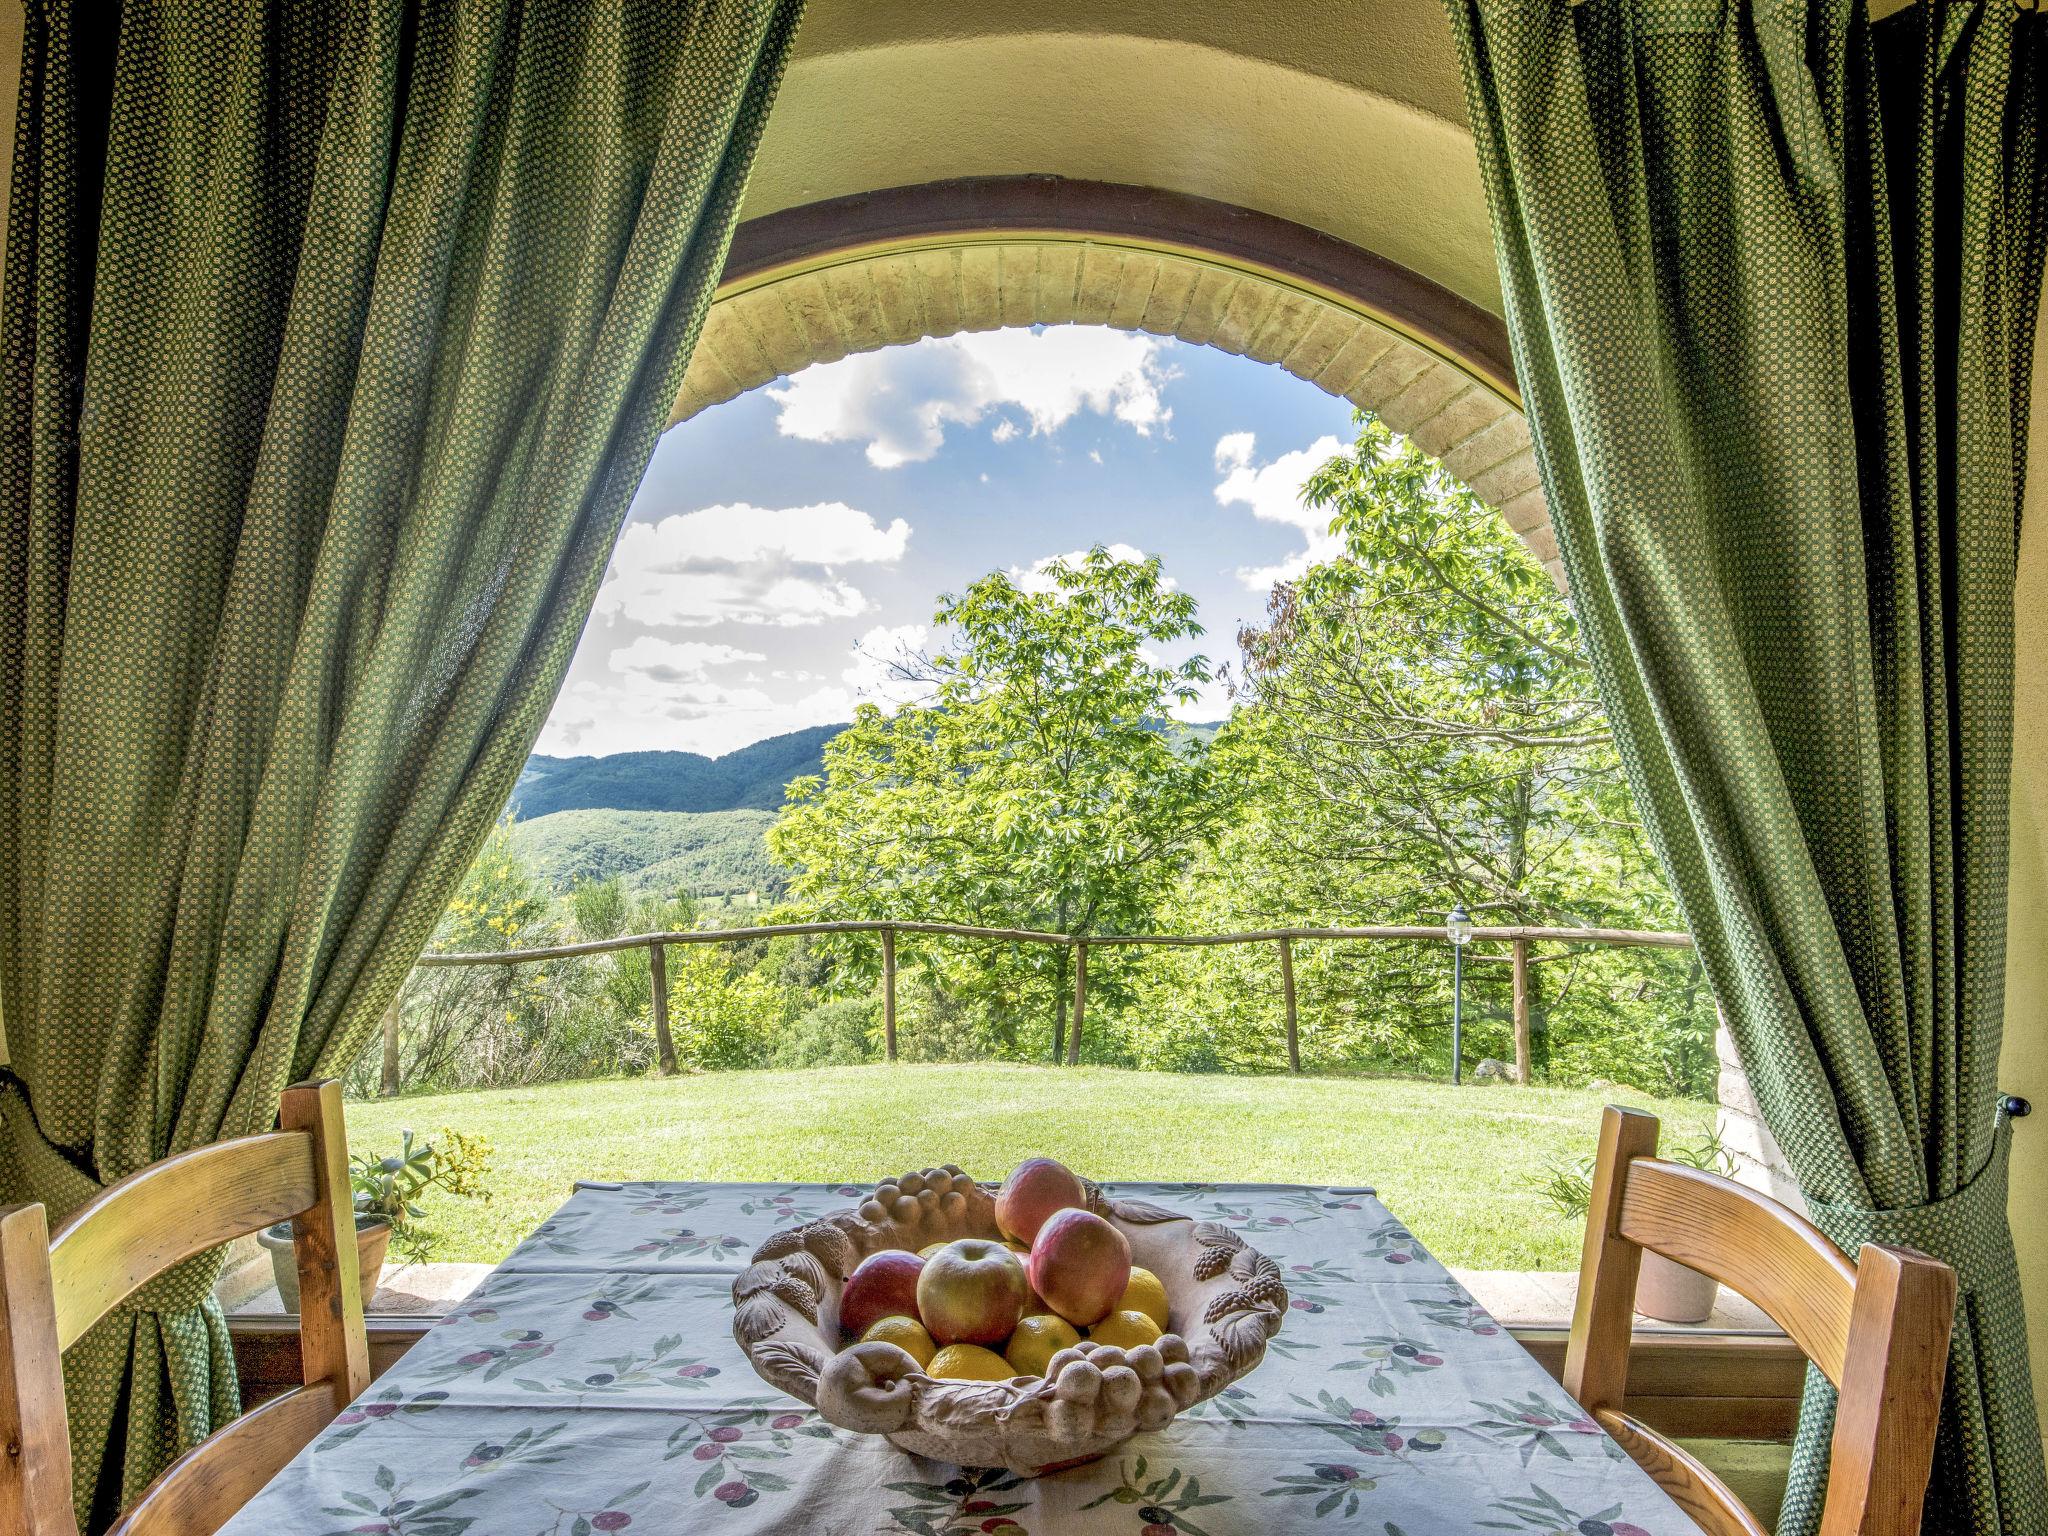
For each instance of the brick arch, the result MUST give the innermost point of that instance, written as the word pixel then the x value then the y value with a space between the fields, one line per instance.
pixel 819 283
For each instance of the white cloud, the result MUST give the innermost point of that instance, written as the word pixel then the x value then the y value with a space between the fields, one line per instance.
pixel 675 661
pixel 664 699
pixel 879 658
pixel 1273 492
pixel 900 400
pixel 1234 450
pixel 745 564
pixel 736 533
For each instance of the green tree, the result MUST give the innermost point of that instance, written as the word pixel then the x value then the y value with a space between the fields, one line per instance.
pixel 1417 728
pixel 1422 707
pixel 603 909
pixel 1038 788
pixel 462 1023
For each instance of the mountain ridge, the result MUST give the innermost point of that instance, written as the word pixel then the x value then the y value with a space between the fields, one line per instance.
pixel 749 778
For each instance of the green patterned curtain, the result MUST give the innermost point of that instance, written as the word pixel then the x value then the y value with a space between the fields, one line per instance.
pixel 1771 276
pixel 338 334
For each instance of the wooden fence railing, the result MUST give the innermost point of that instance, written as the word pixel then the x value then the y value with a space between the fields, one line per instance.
pixel 1518 940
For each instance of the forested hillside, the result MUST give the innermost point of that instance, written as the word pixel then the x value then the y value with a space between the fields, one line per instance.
pixel 708 853
pixel 748 779
pixel 751 778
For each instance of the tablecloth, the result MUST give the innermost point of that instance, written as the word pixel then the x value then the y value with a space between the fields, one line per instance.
pixel 592 1384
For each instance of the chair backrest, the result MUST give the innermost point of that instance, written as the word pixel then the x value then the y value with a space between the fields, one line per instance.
pixel 52 1289
pixel 1877 1328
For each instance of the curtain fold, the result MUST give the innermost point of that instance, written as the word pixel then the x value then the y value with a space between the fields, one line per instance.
pixel 1771 274
pixel 338 336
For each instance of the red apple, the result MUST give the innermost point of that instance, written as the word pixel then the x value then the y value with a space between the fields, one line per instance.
pixel 1080 1264
pixel 972 1292
pixel 883 1285
pixel 1036 1188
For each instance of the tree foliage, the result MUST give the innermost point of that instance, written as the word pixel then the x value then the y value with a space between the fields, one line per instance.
pixel 1421 708
pixel 1036 788
pixel 1416 728
pixel 466 1025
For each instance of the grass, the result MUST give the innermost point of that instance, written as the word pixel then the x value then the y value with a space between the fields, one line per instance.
pixel 1458 1164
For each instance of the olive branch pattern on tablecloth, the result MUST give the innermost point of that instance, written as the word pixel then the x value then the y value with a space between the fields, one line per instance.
pixel 592 1385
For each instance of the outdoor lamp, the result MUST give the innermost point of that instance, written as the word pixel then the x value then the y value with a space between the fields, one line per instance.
pixel 1458 929
pixel 1458 926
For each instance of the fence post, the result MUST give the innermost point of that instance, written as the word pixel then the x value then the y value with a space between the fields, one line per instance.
pixel 1522 1066
pixel 388 1085
pixel 1080 1003
pixel 889 990
pixel 664 1042
pixel 1287 991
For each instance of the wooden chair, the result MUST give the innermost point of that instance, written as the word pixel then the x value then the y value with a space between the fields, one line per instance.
pixel 52 1289
pixel 1877 1328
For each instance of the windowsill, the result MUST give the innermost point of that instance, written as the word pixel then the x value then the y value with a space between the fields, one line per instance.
pixel 1542 1299
pixel 424 1292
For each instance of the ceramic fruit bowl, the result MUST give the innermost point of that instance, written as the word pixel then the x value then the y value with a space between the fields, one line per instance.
pixel 1225 1300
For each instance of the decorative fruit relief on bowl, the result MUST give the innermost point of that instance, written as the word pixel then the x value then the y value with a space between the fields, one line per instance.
pixel 1194 1315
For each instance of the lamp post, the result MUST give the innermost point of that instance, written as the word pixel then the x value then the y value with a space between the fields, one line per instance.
pixel 1458 929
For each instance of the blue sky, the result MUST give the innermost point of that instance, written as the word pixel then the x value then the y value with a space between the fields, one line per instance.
pixel 784 544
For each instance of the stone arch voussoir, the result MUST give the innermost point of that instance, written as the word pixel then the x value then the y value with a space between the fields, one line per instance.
pixel 791 298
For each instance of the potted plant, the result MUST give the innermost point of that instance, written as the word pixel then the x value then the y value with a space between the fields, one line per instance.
pixel 387 1193
pixel 1666 1290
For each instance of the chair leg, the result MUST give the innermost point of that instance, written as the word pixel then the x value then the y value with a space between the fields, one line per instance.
pixel 332 1345
pixel 1596 1359
pixel 35 1481
pixel 1890 1402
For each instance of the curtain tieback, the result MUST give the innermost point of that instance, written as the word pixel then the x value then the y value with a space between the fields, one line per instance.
pixel 39 1171
pixel 1966 1230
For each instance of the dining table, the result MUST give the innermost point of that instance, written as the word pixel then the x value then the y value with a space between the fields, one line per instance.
pixel 592 1384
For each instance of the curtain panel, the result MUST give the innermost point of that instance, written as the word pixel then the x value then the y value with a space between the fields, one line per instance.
pixel 338 334
pixel 1771 274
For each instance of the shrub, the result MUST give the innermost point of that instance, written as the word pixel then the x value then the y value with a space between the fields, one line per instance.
pixel 722 1017
pixel 843 1032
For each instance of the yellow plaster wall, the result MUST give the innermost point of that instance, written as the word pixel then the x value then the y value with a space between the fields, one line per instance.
pixel 1356 145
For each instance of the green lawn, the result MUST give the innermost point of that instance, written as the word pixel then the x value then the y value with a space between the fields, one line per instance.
pixel 1456 1163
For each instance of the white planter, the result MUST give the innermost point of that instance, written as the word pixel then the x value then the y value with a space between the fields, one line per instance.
pixel 1671 1293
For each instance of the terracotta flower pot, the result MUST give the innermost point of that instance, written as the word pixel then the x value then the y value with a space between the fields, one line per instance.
pixel 1671 1293
pixel 373 1237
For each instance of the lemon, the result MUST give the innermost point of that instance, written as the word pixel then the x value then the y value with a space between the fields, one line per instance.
pixel 969 1362
pixel 1126 1330
pixel 929 1249
pixel 906 1333
pixel 1037 1340
pixel 1145 1294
